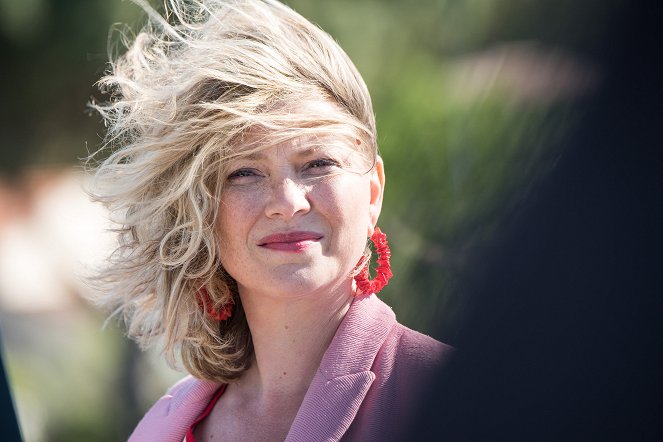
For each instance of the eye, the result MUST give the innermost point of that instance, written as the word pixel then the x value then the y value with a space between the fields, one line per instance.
pixel 244 176
pixel 321 166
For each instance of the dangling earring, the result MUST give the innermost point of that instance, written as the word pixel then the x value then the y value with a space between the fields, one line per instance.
pixel 382 273
pixel 207 305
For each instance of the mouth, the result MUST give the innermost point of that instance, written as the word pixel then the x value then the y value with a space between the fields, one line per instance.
pixel 290 241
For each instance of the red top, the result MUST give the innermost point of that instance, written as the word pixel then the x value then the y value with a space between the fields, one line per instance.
pixel 203 415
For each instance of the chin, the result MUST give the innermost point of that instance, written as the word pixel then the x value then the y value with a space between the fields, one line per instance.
pixel 302 282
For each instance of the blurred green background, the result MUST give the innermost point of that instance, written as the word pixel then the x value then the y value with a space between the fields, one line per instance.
pixel 473 100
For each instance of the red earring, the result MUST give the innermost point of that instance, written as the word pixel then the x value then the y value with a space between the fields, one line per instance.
pixel 382 273
pixel 207 305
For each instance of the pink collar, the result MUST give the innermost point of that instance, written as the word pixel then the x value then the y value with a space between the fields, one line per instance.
pixel 331 402
pixel 344 376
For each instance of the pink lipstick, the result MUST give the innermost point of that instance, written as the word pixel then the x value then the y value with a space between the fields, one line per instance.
pixel 290 241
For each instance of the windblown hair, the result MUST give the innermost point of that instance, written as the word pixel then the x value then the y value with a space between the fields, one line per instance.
pixel 182 96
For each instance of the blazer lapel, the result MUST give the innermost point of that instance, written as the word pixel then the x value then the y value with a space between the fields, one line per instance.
pixel 345 375
pixel 172 415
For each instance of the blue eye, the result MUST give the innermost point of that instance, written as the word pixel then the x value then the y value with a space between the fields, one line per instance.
pixel 243 176
pixel 241 172
pixel 321 163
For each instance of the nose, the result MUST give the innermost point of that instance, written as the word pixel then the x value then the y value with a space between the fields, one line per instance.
pixel 287 199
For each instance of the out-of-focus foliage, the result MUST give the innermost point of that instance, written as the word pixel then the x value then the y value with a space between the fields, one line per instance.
pixel 473 99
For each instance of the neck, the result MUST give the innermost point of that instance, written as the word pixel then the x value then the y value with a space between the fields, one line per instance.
pixel 290 336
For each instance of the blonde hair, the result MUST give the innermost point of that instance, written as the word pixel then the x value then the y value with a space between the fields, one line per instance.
pixel 188 87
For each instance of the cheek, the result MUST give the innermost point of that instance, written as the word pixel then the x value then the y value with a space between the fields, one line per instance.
pixel 347 206
pixel 231 235
pixel 233 219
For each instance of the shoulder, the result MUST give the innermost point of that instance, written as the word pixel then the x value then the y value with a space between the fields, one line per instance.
pixel 175 411
pixel 370 332
pixel 184 387
pixel 409 355
pixel 396 341
pixel 416 347
pixel 404 365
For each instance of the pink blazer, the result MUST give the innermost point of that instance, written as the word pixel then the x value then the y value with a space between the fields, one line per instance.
pixel 365 389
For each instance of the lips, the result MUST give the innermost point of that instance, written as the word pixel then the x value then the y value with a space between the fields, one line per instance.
pixel 290 241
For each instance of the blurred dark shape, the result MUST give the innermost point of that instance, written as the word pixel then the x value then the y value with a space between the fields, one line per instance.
pixel 8 422
pixel 563 339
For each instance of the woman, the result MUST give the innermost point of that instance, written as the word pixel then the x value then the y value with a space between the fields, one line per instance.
pixel 246 181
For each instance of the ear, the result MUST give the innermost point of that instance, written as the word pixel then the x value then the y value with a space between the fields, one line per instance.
pixel 377 191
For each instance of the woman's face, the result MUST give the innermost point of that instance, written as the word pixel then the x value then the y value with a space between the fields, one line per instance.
pixel 295 216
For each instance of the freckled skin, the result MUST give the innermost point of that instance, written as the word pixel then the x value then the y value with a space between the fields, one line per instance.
pixel 293 222
pixel 290 187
